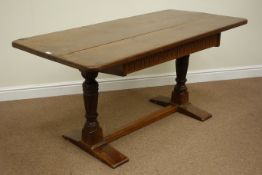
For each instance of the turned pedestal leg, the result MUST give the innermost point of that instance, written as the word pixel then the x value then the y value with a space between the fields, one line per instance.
pixel 91 132
pixel 180 96
pixel 91 139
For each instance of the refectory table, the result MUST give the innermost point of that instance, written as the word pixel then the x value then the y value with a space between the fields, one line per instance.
pixel 124 46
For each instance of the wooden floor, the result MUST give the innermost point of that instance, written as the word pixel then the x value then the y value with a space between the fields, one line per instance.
pixel 229 143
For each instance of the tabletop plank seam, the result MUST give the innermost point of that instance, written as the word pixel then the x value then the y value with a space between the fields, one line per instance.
pixel 134 36
pixel 122 42
pixel 167 28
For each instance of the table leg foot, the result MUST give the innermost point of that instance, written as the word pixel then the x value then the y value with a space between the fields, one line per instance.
pixel 161 100
pixel 194 112
pixel 104 152
pixel 187 109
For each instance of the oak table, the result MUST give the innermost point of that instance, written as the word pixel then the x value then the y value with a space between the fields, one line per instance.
pixel 124 46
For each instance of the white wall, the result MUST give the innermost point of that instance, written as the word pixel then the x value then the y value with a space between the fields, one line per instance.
pixel 18 19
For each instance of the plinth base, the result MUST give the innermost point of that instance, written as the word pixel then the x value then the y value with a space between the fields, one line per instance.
pixel 187 108
pixel 103 152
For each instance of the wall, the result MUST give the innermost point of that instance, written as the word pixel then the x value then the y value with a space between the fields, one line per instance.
pixel 18 19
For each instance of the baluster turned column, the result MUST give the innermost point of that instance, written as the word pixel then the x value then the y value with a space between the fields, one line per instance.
pixel 91 132
pixel 180 93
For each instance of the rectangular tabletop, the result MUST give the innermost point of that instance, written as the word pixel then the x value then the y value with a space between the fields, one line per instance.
pixel 99 46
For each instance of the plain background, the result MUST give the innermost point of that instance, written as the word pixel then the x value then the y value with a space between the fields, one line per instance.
pixel 19 19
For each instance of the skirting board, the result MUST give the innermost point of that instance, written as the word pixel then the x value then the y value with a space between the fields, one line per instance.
pixel 129 82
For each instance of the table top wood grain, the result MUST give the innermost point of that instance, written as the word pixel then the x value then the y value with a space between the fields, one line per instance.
pixel 99 46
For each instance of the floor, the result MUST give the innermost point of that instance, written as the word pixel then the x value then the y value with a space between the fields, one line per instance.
pixel 229 143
